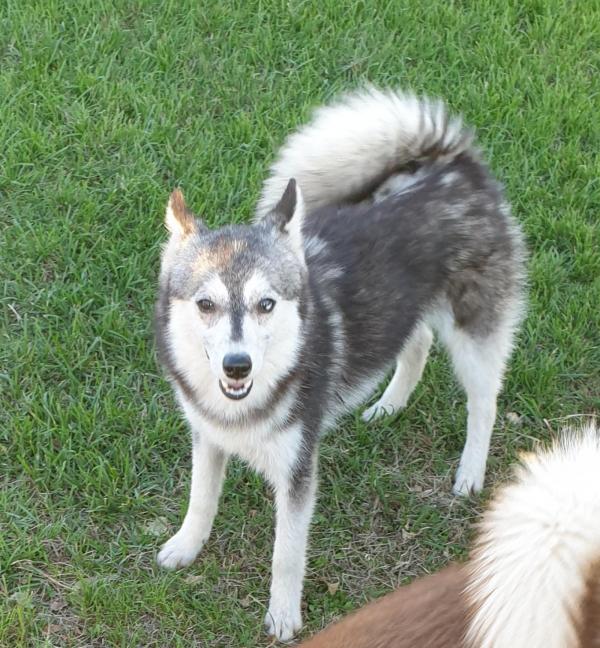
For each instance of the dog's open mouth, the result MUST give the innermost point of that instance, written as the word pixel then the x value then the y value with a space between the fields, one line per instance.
pixel 235 390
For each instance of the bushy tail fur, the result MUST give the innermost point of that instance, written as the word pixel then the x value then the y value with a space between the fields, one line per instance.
pixel 352 146
pixel 538 551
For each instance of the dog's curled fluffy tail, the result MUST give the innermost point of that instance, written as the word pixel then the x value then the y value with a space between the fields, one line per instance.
pixel 535 572
pixel 353 145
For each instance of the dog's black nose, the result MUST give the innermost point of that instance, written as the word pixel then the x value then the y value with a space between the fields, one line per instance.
pixel 237 365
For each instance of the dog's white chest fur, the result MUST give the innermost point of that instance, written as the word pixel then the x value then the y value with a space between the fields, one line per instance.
pixel 270 450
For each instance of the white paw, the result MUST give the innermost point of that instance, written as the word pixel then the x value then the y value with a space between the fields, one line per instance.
pixel 468 481
pixel 283 623
pixel 180 550
pixel 379 410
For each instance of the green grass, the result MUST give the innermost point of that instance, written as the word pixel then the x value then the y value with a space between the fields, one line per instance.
pixel 104 107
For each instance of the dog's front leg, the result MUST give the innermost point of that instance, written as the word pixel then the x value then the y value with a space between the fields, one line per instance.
pixel 295 500
pixel 208 470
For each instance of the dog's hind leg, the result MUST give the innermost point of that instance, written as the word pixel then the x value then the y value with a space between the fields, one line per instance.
pixel 409 369
pixel 479 363
pixel 208 470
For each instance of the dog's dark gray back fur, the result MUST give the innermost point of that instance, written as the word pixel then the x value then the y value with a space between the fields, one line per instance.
pixel 384 265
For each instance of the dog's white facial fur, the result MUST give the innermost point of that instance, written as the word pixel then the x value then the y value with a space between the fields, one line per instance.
pixel 200 342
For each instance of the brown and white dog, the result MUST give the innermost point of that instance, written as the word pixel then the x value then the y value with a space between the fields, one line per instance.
pixel 533 579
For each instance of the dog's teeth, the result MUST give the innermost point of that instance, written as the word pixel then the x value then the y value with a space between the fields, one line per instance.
pixel 236 392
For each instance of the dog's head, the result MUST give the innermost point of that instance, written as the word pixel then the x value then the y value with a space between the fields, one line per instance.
pixel 235 301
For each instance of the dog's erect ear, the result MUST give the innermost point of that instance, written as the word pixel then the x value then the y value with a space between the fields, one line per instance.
pixel 180 221
pixel 288 215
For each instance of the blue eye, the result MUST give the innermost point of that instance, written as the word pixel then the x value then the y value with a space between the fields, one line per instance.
pixel 206 305
pixel 266 305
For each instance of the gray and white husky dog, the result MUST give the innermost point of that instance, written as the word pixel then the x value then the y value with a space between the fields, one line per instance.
pixel 379 223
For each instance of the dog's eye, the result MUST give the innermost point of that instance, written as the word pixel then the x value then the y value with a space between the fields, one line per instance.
pixel 266 305
pixel 206 305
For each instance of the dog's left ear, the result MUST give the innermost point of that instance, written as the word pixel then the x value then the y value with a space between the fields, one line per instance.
pixel 288 216
pixel 179 220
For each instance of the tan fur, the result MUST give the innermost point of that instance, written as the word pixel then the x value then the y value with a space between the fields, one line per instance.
pixel 220 257
pixel 428 613
pixel 589 630
pixel 183 217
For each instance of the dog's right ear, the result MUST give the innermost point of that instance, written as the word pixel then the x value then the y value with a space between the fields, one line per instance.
pixel 179 220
